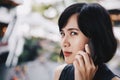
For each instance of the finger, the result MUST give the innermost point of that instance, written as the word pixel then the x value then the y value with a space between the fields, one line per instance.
pixel 76 71
pixel 76 65
pixel 90 68
pixel 87 49
pixel 91 60
pixel 96 68
pixel 81 63
pixel 86 59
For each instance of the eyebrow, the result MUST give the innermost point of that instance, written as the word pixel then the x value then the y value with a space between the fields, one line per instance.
pixel 73 29
pixel 69 29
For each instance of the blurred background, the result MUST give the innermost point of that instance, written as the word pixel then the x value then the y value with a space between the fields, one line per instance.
pixel 30 40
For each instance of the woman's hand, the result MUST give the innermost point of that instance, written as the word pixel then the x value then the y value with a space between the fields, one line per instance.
pixel 84 66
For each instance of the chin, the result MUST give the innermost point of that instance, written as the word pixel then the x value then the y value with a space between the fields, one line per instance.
pixel 68 61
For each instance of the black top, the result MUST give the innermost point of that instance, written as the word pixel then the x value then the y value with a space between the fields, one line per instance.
pixel 103 73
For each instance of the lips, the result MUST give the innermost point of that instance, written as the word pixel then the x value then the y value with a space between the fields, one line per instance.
pixel 67 54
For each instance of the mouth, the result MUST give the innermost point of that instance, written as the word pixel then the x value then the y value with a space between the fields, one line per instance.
pixel 67 54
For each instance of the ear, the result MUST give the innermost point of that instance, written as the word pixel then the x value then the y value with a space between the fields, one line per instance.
pixel 87 49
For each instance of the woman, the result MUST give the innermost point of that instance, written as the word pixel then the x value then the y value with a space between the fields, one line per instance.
pixel 87 42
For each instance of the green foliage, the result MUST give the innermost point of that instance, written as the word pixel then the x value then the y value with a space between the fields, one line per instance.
pixel 34 47
pixel 40 8
pixel 30 51
pixel 55 54
pixel 54 57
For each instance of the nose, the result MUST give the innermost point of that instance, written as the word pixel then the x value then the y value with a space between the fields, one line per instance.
pixel 65 42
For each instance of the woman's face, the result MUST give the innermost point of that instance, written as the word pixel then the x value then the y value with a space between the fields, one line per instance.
pixel 72 39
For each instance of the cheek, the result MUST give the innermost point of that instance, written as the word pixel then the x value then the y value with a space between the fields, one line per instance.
pixel 79 44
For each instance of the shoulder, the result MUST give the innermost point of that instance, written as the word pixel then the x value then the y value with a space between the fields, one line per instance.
pixel 58 71
pixel 115 78
pixel 104 73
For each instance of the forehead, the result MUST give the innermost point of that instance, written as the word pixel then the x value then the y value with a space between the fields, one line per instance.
pixel 72 22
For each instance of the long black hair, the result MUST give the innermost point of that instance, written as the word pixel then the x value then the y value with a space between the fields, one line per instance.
pixel 95 23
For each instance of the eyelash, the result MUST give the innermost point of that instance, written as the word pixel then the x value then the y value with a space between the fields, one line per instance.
pixel 75 33
pixel 71 33
pixel 62 34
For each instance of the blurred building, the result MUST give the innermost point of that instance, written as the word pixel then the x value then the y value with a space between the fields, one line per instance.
pixel 7 18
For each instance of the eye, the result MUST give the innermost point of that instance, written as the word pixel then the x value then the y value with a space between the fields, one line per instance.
pixel 62 34
pixel 73 33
